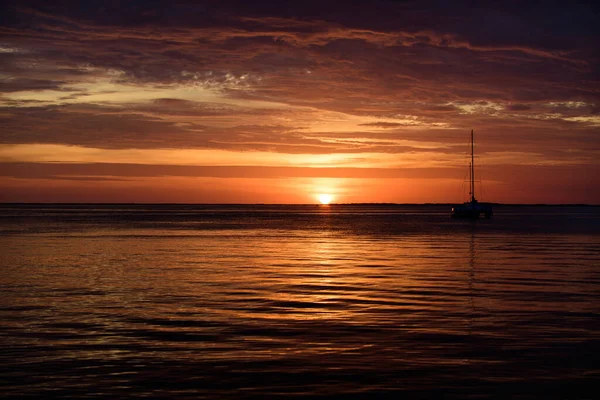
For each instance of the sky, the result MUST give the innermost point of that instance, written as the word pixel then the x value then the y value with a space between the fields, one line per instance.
pixel 167 101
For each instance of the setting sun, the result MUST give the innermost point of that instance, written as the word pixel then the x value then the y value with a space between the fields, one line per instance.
pixel 325 198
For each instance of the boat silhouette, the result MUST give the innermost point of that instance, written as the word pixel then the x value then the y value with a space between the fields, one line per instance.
pixel 472 209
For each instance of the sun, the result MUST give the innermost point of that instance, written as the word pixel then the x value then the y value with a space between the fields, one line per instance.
pixel 325 198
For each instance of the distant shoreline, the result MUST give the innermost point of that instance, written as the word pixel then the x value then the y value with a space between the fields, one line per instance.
pixel 297 204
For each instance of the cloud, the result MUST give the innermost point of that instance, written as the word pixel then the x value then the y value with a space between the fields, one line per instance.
pixel 386 124
pixel 518 107
pixel 124 171
pixel 404 79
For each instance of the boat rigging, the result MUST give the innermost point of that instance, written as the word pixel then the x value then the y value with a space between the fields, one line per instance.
pixel 472 209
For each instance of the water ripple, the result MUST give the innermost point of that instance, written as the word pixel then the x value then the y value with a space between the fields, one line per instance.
pixel 295 301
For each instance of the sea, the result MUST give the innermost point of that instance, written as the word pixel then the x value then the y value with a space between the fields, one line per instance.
pixel 298 301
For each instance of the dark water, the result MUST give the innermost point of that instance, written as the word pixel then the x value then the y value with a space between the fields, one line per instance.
pixel 241 302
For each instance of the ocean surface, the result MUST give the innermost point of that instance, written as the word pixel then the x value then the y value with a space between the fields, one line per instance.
pixel 266 301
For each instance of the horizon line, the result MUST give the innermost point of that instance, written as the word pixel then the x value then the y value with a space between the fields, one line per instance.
pixel 298 204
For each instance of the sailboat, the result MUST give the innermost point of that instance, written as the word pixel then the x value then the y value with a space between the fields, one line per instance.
pixel 472 209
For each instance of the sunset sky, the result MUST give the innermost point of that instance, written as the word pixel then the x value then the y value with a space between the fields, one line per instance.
pixel 277 102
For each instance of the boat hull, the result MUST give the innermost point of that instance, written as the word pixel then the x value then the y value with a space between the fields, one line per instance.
pixel 472 211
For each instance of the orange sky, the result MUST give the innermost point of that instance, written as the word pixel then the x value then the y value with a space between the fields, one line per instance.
pixel 272 104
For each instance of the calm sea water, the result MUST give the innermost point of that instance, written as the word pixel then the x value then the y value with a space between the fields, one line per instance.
pixel 174 301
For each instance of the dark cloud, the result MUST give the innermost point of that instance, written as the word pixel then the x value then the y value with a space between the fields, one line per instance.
pixel 425 56
pixel 518 107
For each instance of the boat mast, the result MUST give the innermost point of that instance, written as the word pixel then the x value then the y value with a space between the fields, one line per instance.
pixel 472 170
